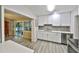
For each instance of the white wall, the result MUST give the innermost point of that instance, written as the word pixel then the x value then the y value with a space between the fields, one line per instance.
pixel 73 14
pixel 0 26
pixel 22 9
pixel 34 30
pixel 76 27
pixel 74 23
pixel 42 20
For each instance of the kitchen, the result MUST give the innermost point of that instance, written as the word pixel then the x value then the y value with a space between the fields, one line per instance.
pixel 52 33
pixel 54 28
pixel 58 27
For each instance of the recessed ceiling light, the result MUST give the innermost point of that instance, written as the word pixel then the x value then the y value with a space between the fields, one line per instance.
pixel 50 7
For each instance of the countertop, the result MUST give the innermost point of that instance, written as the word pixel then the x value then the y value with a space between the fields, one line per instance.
pixel 58 31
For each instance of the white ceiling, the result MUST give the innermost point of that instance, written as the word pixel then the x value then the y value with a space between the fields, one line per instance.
pixel 38 9
pixel 42 9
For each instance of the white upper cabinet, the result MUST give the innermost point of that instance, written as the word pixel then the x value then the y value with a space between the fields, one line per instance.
pixel 54 21
pixel 50 20
pixel 42 20
pixel 62 19
pixel 65 19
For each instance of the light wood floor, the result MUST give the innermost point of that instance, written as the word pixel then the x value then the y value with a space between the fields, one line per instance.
pixel 43 46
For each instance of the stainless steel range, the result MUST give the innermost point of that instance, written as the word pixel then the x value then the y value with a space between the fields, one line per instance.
pixel 73 45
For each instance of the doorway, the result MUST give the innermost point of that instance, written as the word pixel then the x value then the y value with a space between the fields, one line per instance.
pixel 6 29
pixel 18 28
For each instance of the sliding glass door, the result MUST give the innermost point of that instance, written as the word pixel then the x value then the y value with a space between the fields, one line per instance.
pixel 19 29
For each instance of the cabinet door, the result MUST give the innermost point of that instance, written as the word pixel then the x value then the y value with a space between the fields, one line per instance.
pixel 44 35
pixel 50 36
pixel 65 19
pixel 50 20
pixel 54 36
pixel 39 35
pixel 54 21
pixel 42 20
pixel 58 37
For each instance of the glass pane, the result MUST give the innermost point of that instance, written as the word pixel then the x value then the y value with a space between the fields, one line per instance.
pixel 27 26
pixel 19 29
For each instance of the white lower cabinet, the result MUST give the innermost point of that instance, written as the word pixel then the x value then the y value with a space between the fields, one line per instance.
pixel 54 36
pixel 40 35
pixel 49 36
pixel 44 35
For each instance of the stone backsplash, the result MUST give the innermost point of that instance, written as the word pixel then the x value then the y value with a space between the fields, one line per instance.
pixel 54 28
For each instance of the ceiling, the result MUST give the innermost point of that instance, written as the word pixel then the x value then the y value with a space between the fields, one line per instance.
pixel 15 16
pixel 42 9
pixel 37 10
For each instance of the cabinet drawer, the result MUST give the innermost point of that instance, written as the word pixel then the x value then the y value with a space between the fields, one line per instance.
pixel 55 40
pixel 55 37
pixel 54 34
pixel 49 36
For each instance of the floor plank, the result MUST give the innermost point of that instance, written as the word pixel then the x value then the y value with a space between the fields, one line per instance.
pixel 48 47
pixel 42 46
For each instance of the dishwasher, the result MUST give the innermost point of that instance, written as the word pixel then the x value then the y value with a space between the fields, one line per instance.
pixel 63 38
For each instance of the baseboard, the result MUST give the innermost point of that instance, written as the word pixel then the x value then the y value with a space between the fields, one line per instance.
pixel 52 42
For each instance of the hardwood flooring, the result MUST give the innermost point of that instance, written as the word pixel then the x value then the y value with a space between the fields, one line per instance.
pixel 42 46
pixel 45 47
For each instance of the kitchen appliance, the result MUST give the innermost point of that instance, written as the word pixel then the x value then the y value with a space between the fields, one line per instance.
pixel 73 45
pixel 65 37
